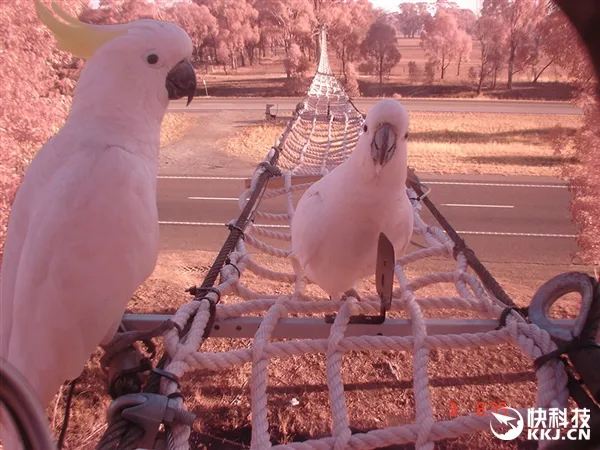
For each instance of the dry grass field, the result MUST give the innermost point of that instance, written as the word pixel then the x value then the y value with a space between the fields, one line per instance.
pixel 378 386
pixel 446 143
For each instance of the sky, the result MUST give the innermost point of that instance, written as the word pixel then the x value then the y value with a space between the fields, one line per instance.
pixel 392 5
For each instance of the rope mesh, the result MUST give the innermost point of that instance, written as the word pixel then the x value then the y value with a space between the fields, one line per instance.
pixel 323 134
pixel 327 125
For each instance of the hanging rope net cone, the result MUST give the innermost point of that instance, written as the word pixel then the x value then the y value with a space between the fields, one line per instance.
pixel 326 127
pixel 292 322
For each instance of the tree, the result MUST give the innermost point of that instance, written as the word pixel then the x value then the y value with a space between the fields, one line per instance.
pixel 465 18
pixel 441 39
pixel 445 5
pixel 566 49
pixel 464 49
pixel 321 11
pixel 268 30
pixel 37 81
pixel 296 67
pixel 380 47
pixel 520 18
pixel 237 24
pixel 113 11
pixel 351 81
pixel 473 74
pixel 196 20
pixel 348 24
pixel 294 19
pixel 296 64
pixel 414 72
pixel 412 18
pixel 584 178
pixel 555 37
pixel 490 32
pixel 429 72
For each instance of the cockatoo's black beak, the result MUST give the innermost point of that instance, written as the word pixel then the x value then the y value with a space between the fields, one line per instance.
pixel 383 144
pixel 181 82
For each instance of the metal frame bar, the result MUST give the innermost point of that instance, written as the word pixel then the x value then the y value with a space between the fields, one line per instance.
pixel 317 328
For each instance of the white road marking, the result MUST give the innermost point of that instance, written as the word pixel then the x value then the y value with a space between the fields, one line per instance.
pixel 501 233
pixel 214 198
pixel 466 183
pixel 466 205
pixel 193 177
pixel 448 183
pixel 484 233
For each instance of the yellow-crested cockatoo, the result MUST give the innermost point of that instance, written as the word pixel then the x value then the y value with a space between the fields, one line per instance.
pixel 83 230
pixel 336 225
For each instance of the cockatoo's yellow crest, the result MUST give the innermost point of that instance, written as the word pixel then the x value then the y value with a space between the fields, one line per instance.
pixel 76 37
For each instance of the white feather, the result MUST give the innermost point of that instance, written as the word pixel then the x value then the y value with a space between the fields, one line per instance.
pixel 337 221
pixel 83 230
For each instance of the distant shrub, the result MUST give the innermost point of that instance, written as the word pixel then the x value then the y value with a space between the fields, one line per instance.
pixel 429 72
pixel 473 74
pixel 415 73
pixel 351 81
pixel 368 67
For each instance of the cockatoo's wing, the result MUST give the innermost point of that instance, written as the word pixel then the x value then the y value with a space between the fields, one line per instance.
pixel 94 242
pixel 10 264
pixel 36 179
pixel 306 236
pixel 399 227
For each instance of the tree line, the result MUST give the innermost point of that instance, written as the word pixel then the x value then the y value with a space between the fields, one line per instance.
pixel 514 36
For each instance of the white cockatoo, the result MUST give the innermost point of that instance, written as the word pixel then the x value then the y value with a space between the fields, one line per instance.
pixel 336 225
pixel 83 230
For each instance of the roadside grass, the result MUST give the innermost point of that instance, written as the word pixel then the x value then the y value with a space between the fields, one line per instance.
pixel 458 143
pixel 176 126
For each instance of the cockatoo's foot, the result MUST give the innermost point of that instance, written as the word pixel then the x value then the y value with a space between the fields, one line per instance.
pixel 351 293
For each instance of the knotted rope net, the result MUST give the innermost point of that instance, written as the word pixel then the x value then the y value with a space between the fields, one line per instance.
pixel 322 134
pixel 326 126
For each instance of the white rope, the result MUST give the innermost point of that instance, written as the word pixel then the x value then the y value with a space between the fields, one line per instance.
pixel 327 128
pixel 469 295
pixel 315 144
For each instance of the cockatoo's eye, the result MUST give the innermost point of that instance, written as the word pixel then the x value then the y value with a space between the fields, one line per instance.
pixel 152 58
pixel 365 128
pixel 406 135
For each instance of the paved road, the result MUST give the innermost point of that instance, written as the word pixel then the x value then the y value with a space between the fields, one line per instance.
pixel 503 220
pixel 286 105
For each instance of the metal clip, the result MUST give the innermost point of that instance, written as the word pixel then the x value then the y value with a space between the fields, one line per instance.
pixel 148 411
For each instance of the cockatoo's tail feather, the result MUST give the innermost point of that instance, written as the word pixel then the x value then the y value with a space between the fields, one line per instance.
pixel 78 38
